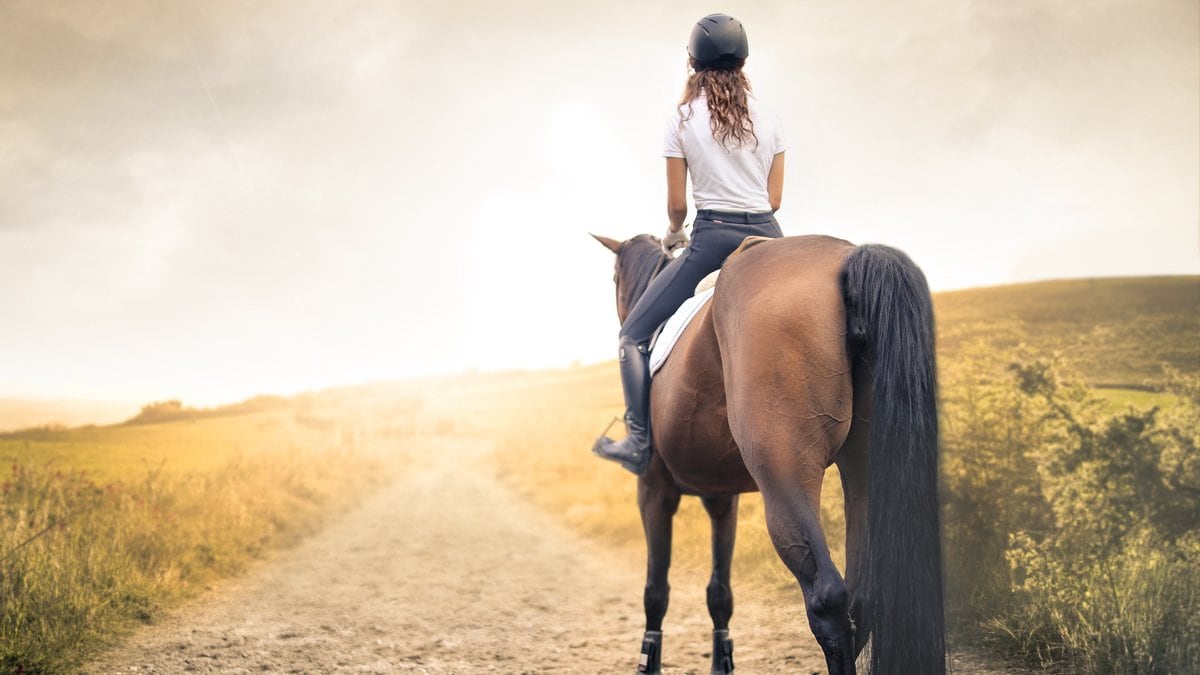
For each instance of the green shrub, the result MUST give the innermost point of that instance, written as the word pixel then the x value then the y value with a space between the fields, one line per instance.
pixel 1072 535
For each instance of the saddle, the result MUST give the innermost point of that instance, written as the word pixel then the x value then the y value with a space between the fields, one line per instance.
pixel 664 339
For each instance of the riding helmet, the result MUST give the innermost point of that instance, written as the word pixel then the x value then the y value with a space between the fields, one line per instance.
pixel 716 36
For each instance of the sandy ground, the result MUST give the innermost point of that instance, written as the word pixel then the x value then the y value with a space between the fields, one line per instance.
pixel 448 571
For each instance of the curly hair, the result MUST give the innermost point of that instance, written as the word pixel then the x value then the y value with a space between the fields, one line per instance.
pixel 726 87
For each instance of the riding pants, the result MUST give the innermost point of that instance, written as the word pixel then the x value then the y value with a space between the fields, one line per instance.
pixel 715 234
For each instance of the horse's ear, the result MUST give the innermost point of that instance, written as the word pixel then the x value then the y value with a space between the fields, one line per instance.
pixel 610 244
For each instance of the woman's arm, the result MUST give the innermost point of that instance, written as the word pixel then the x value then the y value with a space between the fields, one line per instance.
pixel 775 182
pixel 677 192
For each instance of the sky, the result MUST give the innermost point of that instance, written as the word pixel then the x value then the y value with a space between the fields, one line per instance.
pixel 210 200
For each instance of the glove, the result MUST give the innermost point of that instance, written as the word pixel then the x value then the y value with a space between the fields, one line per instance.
pixel 674 240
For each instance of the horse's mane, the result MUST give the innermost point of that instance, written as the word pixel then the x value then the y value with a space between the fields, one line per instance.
pixel 638 264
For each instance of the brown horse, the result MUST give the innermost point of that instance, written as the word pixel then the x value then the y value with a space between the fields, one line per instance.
pixel 812 352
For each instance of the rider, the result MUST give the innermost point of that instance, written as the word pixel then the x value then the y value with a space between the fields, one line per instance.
pixel 733 149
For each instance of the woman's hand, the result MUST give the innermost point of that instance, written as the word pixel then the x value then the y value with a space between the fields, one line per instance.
pixel 674 239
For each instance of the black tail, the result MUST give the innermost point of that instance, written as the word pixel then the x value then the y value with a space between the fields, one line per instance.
pixel 890 316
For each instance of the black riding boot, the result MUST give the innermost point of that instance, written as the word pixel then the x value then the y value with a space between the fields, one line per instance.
pixel 632 452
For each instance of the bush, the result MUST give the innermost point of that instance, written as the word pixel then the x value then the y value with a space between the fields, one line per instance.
pixel 1072 536
pixel 162 411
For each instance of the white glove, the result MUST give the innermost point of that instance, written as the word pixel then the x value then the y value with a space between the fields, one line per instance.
pixel 674 240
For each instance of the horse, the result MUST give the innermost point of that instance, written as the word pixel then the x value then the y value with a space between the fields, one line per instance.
pixel 812 352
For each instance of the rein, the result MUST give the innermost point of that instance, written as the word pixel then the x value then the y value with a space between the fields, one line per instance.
pixel 662 262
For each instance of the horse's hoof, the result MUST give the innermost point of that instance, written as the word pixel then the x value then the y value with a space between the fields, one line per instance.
pixel 651 661
pixel 722 653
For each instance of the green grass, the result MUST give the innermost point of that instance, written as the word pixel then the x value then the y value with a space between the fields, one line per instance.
pixel 1115 332
pixel 1118 400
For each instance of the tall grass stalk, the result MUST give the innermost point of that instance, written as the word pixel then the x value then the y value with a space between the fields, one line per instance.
pixel 83 561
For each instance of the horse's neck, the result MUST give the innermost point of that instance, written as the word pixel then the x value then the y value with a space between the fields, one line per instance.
pixel 648 273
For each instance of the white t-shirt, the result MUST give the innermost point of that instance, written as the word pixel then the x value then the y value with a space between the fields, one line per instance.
pixel 724 179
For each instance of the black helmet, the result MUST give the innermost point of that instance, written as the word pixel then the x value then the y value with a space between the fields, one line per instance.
pixel 716 36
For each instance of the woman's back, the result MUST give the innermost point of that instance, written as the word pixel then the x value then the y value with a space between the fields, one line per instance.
pixel 725 176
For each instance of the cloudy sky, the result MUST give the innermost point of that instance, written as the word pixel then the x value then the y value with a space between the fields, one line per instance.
pixel 209 200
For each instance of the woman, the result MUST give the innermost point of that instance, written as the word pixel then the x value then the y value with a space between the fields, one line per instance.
pixel 734 152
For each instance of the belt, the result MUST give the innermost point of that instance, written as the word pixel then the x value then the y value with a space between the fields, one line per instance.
pixel 747 217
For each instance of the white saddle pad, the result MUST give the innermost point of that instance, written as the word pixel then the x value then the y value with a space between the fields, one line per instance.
pixel 674 326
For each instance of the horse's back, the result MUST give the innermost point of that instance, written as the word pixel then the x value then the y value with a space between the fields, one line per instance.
pixel 791 284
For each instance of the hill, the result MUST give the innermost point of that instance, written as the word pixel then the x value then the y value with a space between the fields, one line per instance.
pixel 1117 332
pixel 21 414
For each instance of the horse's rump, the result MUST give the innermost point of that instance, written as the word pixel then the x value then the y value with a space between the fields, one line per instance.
pixel 770 347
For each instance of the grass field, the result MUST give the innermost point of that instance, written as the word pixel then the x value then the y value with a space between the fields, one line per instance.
pixel 178 503
pixel 1116 332
pixel 116 452
pixel 101 528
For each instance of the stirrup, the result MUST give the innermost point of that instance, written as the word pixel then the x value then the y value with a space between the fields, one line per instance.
pixel 637 464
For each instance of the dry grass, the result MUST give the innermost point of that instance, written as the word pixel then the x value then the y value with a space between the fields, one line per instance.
pixel 102 528
pixel 544 451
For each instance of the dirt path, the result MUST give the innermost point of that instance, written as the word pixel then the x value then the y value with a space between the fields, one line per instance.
pixel 450 572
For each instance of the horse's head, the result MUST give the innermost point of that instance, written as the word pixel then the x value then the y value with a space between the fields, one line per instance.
pixel 638 260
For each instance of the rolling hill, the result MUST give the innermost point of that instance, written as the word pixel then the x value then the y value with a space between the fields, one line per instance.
pixel 20 414
pixel 1117 331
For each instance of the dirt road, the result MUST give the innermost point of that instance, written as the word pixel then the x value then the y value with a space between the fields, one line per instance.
pixel 448 571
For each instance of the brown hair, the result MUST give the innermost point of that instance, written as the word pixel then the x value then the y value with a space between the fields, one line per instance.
pixel 726 87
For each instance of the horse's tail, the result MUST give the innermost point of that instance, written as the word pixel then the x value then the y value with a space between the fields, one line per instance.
pixel 890 328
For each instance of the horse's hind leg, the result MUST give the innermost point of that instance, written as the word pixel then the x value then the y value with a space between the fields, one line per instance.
pixel 658 499
pixel 794 525
pixel 788 440
pixel 722 510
